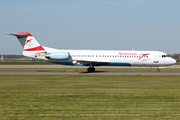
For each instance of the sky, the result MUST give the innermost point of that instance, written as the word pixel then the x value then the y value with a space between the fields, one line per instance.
pixel 92 24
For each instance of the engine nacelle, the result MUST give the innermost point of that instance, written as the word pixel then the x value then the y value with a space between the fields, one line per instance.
pixel 58 55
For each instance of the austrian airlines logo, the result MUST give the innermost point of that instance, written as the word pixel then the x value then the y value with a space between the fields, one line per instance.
pixel 127 53
pixel 142 55
pixel 28 41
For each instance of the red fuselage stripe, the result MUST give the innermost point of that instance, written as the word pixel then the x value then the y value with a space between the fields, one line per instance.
pixel 39 48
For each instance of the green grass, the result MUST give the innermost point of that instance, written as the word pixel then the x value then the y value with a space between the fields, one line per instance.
pixel 85 69
pixel 79 97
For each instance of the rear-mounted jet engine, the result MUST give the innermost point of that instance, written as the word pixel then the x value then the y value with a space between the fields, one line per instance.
pixel 58 55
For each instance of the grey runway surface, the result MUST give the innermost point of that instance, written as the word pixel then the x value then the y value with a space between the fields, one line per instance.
pixel 79 73
pixel 84 73
pixel 67 66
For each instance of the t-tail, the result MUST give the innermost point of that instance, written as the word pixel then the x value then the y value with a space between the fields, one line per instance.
pixel 29 43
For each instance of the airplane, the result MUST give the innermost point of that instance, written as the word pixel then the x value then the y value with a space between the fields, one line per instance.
pixel 92 58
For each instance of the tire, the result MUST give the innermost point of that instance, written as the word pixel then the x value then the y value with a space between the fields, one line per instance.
pixel 158 70
pixel 90 69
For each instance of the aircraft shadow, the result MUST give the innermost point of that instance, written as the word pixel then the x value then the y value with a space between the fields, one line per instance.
pixel 74 71
pixel 93 72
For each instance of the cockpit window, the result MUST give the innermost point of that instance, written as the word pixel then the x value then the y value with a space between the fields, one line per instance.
pixel 165 56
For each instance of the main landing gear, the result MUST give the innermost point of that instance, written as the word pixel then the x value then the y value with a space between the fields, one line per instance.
pixel 91 69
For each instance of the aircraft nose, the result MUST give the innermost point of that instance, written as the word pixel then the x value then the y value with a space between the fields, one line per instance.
pixel 173 61
pixel 170 61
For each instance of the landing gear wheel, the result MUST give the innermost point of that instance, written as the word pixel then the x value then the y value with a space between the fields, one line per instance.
pixel 158 70
pixel 91 69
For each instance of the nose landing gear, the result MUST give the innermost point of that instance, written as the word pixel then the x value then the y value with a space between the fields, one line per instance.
pixel 158 70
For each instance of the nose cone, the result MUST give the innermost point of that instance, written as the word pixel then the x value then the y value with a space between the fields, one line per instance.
pixel 174 61
pixel 171 61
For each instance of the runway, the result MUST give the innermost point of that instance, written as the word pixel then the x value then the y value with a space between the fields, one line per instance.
pixel 84 73
pixel 68 66
pixel 79 72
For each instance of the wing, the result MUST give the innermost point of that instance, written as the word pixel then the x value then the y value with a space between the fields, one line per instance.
pixel 91 62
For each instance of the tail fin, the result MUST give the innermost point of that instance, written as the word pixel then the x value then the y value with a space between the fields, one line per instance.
pixel 28 42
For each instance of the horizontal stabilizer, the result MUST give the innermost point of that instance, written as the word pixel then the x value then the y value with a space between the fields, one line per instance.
pixel 18 35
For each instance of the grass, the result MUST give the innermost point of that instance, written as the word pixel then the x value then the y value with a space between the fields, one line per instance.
pixel 79 97
pixel 85 69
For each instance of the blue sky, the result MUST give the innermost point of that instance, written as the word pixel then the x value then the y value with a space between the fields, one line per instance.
pixel 92 24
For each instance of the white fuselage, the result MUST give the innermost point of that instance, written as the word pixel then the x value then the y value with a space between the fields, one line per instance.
pixel 108 57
